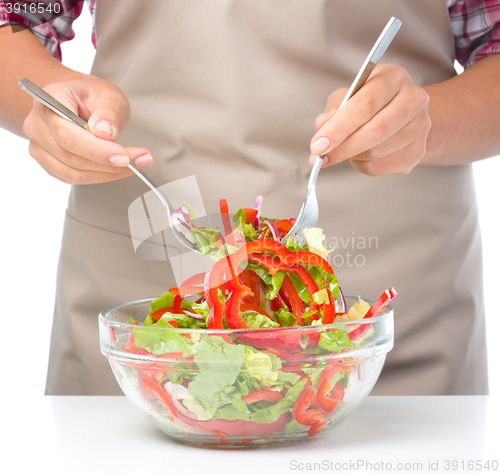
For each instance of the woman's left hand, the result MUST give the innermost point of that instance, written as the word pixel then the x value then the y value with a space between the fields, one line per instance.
pixel 381 130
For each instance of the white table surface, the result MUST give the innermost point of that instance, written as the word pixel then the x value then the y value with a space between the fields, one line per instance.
pixel 108 435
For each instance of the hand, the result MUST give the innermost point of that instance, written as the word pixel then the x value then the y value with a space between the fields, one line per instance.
pixel 381 130
pixel 72 154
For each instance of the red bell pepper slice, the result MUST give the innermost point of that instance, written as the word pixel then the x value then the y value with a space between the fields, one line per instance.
pixel 283 226
pixel 159 313
pixel 232 308
pixel 244 307
pixel 308 258
pixel 272 265
pixel 381 303
pixel 328 309
pixel 215 276
pixel 292 299
pixel 304 415
pixel 216 306
pixel 326 397
pixel 281 339
pixel 277 303
pixel 250 215
pixel 175 308
pixel 386 297
pixel 316 428
pixel 132 348
pixel 226 222
pixel 176 304
pixel 251 280
pixel 270 396
pixel 152 385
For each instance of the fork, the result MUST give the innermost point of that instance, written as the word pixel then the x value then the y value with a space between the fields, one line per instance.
pixel 67 114
pixel 308 216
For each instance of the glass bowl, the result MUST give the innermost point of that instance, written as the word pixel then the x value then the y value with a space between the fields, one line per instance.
pixel 245 388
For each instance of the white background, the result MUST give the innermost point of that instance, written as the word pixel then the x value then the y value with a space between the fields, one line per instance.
pixel 32 213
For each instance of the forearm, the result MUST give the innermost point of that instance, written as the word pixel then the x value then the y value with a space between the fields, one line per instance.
pixel 465 113
pixel 22 55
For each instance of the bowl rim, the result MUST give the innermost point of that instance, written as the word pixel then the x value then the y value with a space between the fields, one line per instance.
pixel 387 312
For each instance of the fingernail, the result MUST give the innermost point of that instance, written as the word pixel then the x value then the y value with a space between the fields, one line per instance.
pixel 119 160
pixel 104 126
pixel 326 160
pixel 143 161
pixel 320 146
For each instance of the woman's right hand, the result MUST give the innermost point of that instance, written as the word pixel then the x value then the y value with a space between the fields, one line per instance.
pixel 70 153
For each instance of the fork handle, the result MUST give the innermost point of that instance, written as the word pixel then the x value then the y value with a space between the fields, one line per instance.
pixel 379 48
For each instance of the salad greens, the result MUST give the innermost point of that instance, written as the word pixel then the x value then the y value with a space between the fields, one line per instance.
pixel 285 298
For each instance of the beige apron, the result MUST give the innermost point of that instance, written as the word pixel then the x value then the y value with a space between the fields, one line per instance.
pixel 228 90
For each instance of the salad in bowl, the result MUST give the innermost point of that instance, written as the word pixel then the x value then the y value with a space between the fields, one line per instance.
pixel 261 350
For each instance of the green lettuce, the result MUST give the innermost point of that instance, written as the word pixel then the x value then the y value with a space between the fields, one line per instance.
pixel 300 288
pixel 273 412
pixel 293 246
pixel 219 364
pixel 160 342
pixel 292 426
pixel 201 308
pixel 246 228
pixel 286 318
pixel 333 284
pixel 335 341
pixel 166 301
pixel 184 321
pixel 271 291
pixel 321 297
pixel 205 239
pixel 256 320
pixel 235 409
pixel 246 384
pixel 262 273
pixel 262 366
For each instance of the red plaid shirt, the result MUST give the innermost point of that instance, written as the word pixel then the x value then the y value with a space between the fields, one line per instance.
pixel 475 23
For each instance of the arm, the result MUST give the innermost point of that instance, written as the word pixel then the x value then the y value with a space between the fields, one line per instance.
pixel 465 113
pixel 396 125
pixel 36 63
pixel 64 150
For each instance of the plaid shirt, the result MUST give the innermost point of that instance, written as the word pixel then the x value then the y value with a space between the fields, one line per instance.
pixel 475 23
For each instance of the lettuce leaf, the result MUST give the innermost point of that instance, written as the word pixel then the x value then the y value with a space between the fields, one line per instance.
pixel 286 318
pixel 160 342
pixel 256 320
pixel 300 288
pixel 219 364
pixel 166 301
pixel 262 366
pixel 246 384
pixel 246 228
pixel 271 291
pixel 262 273
pixel 335 341
pixel 315 238
pixel 235 409
pixel 273 412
